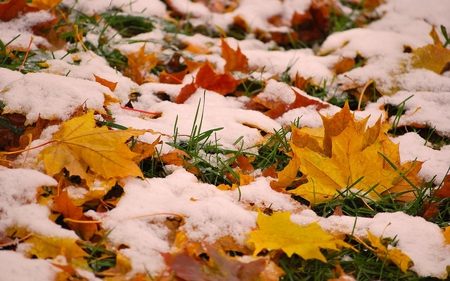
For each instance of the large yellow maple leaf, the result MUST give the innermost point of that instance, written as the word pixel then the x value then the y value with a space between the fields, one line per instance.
pixel 350 156
pixel 278 232
pixel 80 146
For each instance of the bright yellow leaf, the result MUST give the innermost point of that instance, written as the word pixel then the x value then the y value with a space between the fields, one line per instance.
pixel 278 232
pixel 80 146
pixel 394 255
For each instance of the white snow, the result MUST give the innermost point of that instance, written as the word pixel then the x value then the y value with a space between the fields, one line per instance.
pixel 209 213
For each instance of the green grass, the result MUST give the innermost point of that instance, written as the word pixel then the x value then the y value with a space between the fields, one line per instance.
pixel 214 162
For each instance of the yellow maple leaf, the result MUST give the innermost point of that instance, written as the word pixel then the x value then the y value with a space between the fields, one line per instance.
pixel 80 146
pixel 394 255
pixel 278 232
pixel 44 247
pixel 352 156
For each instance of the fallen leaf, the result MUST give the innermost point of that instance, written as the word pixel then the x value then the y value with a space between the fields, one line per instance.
pixel 444 189
pixel 80 146
pixel 172 78
pixel 447 235
pixel 44 247
pixel 220 83
pixel 218 267
pixel 235 60
pixel 278 232
pixel 187 91
pixel 140 64
pixel 110 85
pixel 44 4
pixel 433 57
pixel 144 150
pixel 394 255
pixel 64 205
pixel 12 8
pixel 344 65
pixel 350 156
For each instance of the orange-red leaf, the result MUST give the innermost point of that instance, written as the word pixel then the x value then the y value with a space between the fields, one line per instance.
pixel 64 205
pixel 110 85
pixel 220 83
pixel 186 92
pixel 236 60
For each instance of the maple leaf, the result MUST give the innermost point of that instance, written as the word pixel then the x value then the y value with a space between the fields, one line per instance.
pixel 12 8
pixel 394 255
pixel 236 61
pixel 218 267
pixel 139 65
pixel 80 146
pixel 45 247
pixel 349 156
pixel 220 83
pixel 278 232
pixel 64 205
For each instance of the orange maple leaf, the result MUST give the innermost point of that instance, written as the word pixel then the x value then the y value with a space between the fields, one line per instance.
pixel 80 146
pixel 278 232
pixel 220 83
pixel 65 206
pixel 236 60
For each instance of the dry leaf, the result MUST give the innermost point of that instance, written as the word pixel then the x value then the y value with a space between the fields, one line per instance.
pixel 278 232
pixel 80 146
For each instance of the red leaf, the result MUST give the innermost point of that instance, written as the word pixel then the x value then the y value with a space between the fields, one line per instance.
pixel 220 83
pixel 186 92
pixel 13 8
